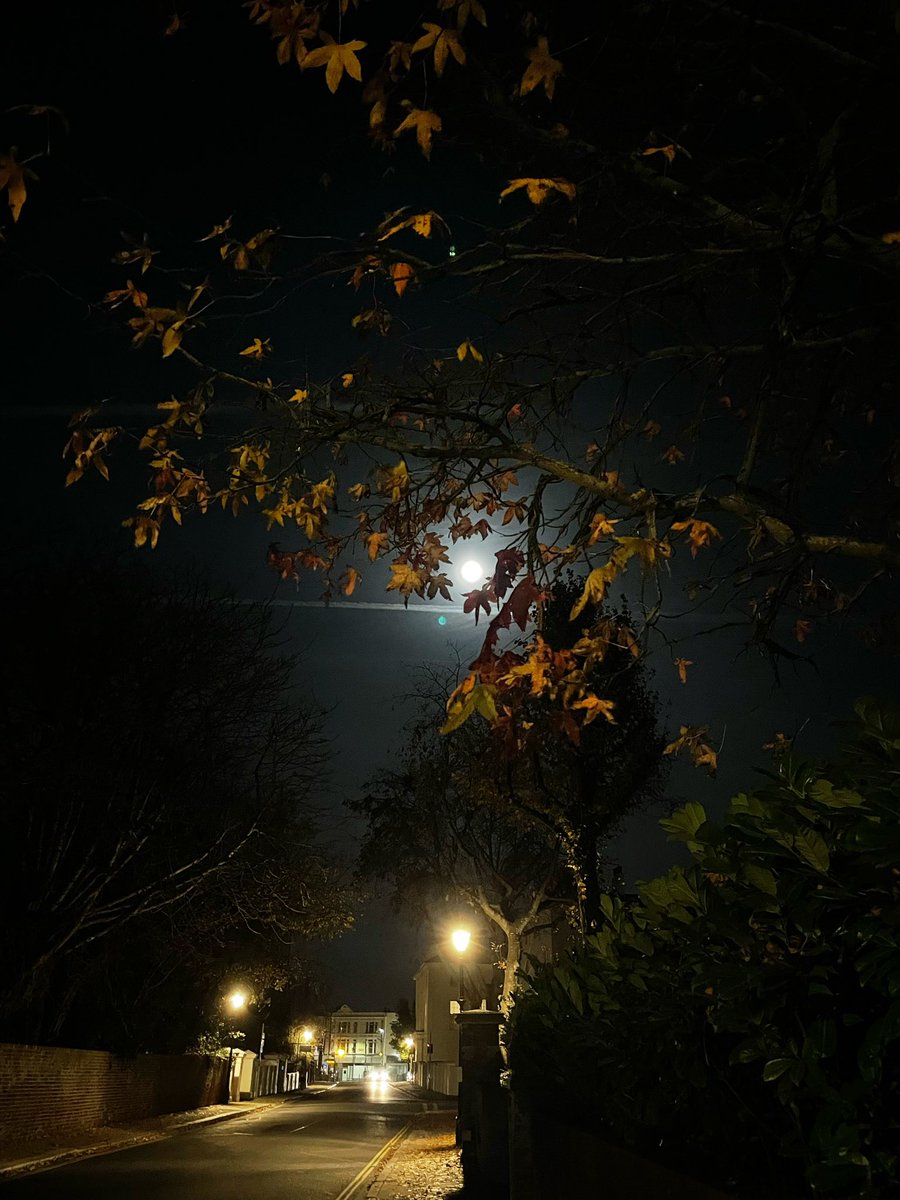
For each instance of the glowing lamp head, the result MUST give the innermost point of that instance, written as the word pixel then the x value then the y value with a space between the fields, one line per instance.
pixel 307 1035
pixel 236 1001
pixel 408 1043
pixel 341 1053
pixel 472 571
pixel 460 939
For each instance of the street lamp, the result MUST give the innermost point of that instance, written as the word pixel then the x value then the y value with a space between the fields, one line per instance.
pixel 306 1037
pixel 236 1002
pixel 461 939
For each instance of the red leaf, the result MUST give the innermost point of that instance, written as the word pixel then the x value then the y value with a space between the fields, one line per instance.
pixel 509 564
pixel 478 599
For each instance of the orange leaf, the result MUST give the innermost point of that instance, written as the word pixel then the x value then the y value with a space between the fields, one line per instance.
pixel 700 533
pixel 802 629
pixel 401 274
pixel 682 664
pixel 375 543
pixel 351 577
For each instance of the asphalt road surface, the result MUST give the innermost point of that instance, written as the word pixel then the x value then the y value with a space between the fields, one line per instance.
pixel 309 1148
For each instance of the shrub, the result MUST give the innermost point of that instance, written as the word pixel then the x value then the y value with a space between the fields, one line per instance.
pixel 745 1011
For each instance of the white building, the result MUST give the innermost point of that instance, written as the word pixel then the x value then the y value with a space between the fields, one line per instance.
pixel 437 1004
pixel 359 1042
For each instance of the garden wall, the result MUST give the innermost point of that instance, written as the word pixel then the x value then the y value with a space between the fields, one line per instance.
pixel 45 1090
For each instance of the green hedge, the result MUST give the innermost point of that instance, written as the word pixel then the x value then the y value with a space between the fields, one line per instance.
pixel 741 1017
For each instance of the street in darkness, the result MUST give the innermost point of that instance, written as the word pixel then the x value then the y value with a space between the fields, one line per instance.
pixel 304 1149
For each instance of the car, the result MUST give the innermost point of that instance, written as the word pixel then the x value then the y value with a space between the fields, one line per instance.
pixel 379 1075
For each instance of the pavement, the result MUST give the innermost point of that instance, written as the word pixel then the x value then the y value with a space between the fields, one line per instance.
pixel 421 1164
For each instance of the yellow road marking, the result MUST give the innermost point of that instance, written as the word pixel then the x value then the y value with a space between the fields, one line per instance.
pixel 373 1163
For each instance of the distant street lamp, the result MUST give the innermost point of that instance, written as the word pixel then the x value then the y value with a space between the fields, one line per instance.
pixel 307 1037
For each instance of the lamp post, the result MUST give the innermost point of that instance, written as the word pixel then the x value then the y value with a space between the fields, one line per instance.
pixel 236 1002
pixel 307 1037
pixel 409 1042
pixel 460 939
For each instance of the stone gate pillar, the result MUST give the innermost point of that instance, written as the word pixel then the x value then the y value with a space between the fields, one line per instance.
pixel 482 1123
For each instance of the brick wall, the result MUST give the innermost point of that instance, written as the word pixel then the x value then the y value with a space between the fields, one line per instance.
pixel 45 1090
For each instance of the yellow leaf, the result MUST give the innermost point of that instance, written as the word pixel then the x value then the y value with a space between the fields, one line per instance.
pixel 470 8
pixel 595 588
pixel 467 347
pixel 299 395
pixel 468 699
pixel 217 231
pixel 394 481
pixel 336 58
pixel 667 151
pixel 347 379
pixel 425 123
pixel 420 223
pixel 172 339
pixel 601 525
pixel 405 579
pixel 257 349
pixel 594 707
pixel 537 190
pixel 647 550
pixel 12 177
pixel 444 41
pixel 541 69
pixel 691 738
pixel 892 238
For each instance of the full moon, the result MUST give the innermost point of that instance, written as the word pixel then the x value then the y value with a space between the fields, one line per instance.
pixel 472 571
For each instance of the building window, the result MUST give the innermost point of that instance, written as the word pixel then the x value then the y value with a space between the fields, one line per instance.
pixel 342 1044
pixel 371 1026
pixel 371 1046
pixel 343 1026
pixel 354 1027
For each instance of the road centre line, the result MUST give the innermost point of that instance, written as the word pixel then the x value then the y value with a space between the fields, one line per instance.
pixel 373 1162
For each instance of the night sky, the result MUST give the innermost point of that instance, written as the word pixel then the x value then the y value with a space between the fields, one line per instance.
pixel 169 135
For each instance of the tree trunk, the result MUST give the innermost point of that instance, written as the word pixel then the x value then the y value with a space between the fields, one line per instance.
pixel 513 958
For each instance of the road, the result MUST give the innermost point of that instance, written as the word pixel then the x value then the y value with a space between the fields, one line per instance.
pixel 309 1148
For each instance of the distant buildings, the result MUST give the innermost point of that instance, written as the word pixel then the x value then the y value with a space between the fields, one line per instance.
pixel 357 1043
